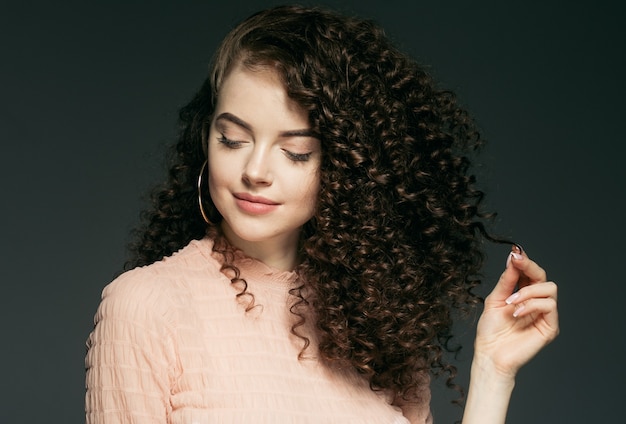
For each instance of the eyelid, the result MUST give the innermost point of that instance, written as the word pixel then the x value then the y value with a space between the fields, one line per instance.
pixel 233 144
pixel 298 157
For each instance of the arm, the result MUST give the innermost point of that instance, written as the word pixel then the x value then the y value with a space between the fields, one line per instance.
pixel 129 358
pixel 511 330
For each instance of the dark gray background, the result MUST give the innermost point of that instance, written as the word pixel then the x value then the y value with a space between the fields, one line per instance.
pixel 89 93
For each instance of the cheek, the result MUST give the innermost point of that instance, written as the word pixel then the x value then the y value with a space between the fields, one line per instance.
pixel 212 187
pixel 310 192
pixel 216 178
pixel 218 191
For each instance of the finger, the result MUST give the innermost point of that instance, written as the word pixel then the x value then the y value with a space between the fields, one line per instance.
pixel 547 307
pixel 538 290
pixel 509 278
pixel 505 286
pixel 544 306
pixel 529 270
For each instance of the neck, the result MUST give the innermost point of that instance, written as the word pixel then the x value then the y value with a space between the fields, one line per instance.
pixel 280 253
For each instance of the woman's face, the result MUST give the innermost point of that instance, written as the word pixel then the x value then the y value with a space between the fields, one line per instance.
pixel 263 163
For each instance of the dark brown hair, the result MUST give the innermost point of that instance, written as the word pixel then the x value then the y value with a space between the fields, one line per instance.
pixel 395 244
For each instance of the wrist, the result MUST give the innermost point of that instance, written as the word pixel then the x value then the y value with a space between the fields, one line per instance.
pixel 489 393
pixel 486 373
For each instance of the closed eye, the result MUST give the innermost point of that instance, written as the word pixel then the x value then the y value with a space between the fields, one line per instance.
pixel 297 157
pixel 231 144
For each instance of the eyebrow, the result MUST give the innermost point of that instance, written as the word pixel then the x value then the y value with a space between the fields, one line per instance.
pixel 305 132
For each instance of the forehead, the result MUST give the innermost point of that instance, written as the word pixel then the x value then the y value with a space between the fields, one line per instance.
pixel 259 94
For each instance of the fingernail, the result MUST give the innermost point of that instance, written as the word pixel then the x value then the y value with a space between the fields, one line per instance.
pixel 512 298
pixel 518 248
pixel 517 256
pixel 518 310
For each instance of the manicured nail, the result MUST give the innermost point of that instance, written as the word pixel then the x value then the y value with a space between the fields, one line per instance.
pixel 512 298
pixel 518 248
pixel 518 311
pixel 517 256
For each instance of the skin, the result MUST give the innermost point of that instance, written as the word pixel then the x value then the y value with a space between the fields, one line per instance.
pixel 512 329
pixel 260 144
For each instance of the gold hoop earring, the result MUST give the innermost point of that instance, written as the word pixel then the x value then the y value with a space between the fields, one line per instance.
pixel 204 215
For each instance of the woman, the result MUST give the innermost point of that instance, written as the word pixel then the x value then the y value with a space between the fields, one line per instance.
pixel 317 230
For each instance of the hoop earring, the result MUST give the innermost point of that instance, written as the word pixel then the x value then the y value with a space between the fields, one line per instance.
pixel 202 212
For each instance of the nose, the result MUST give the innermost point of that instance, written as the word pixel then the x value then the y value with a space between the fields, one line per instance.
pixel 257 168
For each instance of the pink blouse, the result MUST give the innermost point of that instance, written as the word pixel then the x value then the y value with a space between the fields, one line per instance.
pixel 173 345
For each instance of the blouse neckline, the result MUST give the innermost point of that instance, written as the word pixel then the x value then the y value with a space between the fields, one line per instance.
pixel 249 267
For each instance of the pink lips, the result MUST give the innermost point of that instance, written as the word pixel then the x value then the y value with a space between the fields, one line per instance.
pixel 255 205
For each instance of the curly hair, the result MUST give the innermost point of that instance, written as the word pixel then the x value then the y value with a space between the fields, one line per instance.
pixel 394 247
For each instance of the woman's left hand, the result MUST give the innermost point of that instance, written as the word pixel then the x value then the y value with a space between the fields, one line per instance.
pixel 515 326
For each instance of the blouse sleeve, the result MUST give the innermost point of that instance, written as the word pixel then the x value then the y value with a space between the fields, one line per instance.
pixel 130 360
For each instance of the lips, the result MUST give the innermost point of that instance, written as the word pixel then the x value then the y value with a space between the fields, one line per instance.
pixel 254 199
pixel 255 205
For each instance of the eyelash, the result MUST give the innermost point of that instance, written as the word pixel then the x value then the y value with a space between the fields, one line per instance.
pixel 229 143
pixel 295 157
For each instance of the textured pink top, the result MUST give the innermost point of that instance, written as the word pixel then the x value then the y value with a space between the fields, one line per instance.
pixel 173 345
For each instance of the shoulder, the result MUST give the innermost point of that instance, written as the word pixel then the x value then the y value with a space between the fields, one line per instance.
pixel 158 289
